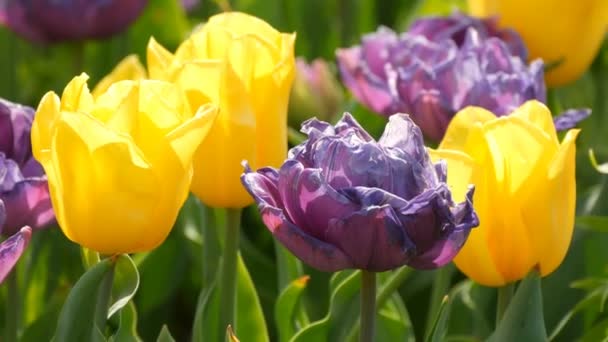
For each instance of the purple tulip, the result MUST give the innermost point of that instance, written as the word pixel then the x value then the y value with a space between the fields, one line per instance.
pixel 342 200
pixel 189 5
pixel 432 79
pixel 23 185
pixel 45 21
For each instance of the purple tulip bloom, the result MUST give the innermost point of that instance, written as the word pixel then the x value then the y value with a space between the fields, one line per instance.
pixel 23 185
pixel 342 200
pixel 432 79
pixel 12 248
pixel 45 21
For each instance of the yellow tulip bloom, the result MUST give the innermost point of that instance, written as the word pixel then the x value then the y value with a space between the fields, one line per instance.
pixel 119 165
pixel 130 68
pixel 566 31
pixel 525 190
pixel 246 67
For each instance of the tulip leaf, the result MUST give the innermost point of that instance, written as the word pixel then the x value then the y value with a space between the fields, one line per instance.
pixel 127 328
pixel 286 308
pixel 249 320
pixel 596 223
pixel 77 318
pixel 342 305
pixel 438 330
pixel 165 335
pixel 126 282
pixel 523 320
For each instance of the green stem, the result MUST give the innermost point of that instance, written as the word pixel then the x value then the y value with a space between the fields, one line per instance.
pixel 441 285
pixel 103 299
pixel 368 306
pixel 228 272
pixel 505 293
pixel 392 284
pixel 12 307
pixel 211 251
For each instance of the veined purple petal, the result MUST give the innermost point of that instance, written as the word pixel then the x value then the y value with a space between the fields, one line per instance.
pixel 372 238
pixel 11 250
pixel 570 118
pixel 27 203
pixel 15 126
pixel 317 253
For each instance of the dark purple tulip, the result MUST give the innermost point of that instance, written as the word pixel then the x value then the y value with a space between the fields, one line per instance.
pixel 189 5
pixel 342 200
pixel 11 250
pixel 23 185
pixel 68 20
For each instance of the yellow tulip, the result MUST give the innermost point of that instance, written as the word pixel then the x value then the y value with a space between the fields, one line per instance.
pixel 566 31
pixel 130 68
pixel 246 67
pixel 119 165
pixel 525 190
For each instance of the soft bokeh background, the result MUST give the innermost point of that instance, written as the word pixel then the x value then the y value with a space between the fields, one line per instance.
pixel 171 276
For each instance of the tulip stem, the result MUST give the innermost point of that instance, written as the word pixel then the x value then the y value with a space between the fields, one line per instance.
pixel 103 299
pixel 227 285
pixel 505 293
pixel 12 307
pixel 441 286
pixel 368 306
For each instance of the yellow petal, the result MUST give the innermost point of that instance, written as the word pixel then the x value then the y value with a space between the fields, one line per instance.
pixel 457 133
pixel 47 113
pixel 130 68
pixel 76 95
pixel 159 60
pixel 461 169
pixel 539 115
pixel 240 23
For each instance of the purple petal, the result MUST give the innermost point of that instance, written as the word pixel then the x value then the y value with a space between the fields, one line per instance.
pixel 28 203
pixel 437 229
pixel 11 250
pixel 314 252
pixel 310 203
pixel 262 185
pixel 372 238
pixel 570 118
pixel 15 126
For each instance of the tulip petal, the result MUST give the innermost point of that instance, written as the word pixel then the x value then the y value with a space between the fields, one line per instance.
pixel 539 115
pixel 130 68
pixel 372 238
pixel 570 118
pixel 11 250
pixel 76 95
pixel 159 60
pixel 314 252
pixel 309 201
pixel 556 194
pixel 263 185
pixel 46 115
pixel 27 203
pixel 457 134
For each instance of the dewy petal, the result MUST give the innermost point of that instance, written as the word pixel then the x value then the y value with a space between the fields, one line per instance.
pixel 308 200
pixel 372 238
pixel 11 250
pixel 321 255
pixel 27 203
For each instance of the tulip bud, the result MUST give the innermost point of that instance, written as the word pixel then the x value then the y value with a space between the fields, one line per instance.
pixel 315 93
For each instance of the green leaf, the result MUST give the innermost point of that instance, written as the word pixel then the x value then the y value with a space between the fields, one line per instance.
pixel 126 282
pixel 343 308
pixel 127 329
pixel 249 320
pixel 165 335
pixel 523 320
pixel 286 308
pixel 438 330
pixel 77 318
pixel 601 168
pixel 595 223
